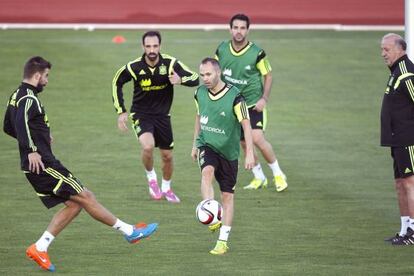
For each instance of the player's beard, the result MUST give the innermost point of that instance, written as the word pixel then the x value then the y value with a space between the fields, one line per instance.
pixel 40 87
pixel 152 56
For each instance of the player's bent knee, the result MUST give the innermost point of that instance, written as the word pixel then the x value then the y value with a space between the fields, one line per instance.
pixel 167 158
pixel 89 195
pixel 259 141
pixel 227 197
pixel 208 170
pixel 85 196
pixel 73 205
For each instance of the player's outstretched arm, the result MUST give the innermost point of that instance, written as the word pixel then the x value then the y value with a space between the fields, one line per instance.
pixel 174 78
pixel 267 86
pixel 249 157
pixel 121 77
pixel 187 77
pixel 194 150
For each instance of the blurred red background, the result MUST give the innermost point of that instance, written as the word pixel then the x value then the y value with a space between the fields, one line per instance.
pixel 353 12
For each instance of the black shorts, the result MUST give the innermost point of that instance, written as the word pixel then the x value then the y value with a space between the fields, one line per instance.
pixel 225 171
pixel 403 161
pixel 160 127
pixel 258 120
pixel 54 185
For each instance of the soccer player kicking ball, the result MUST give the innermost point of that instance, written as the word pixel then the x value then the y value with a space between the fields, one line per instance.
pixel 220 112
pixel 26 121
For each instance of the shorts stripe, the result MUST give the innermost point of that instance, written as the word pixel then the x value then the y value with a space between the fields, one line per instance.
pixel 411 152
pixel 198 158
pixel 264 118
pixel 75 185
pixel 58 186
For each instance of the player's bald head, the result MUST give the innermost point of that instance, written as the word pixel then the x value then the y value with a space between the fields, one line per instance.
pixel 212 61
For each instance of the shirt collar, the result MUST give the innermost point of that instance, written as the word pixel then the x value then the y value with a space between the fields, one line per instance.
pixel 395 64
pixel 31 87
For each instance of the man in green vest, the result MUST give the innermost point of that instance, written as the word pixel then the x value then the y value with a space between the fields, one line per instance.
pixel 244 65
pixel 220 111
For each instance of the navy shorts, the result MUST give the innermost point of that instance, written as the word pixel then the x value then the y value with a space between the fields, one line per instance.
pixel 55 184
pixel 403 161
pixel 225 171
pixel 258 120
pixel 160 127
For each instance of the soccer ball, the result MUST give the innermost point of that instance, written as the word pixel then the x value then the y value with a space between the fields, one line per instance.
pixel 209 211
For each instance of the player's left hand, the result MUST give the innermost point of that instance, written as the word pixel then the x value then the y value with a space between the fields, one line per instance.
pixel 174 78
pixel 35 162
pixel 260 105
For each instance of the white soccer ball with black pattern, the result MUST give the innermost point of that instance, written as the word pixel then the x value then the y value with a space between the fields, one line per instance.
pixel 209 211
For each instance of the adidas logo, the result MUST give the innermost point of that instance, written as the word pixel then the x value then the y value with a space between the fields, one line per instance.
pixel 204 120
pixel 259 124
pixel 227 72
pixel 407 170
pixel 222 113
pixel 247 67
pixel 142 72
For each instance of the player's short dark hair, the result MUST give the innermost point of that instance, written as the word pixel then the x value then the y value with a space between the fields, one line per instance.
pixel 242 17
pixel 151 33
pixel 35 65
pixel 401 42
pixel 213 61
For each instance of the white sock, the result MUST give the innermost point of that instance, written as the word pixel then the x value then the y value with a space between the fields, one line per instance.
pixel 151 175
pixel 405 223
pixel 224 232
pixel 165 185
pixel 258 172
pixel 410 223
pixel 45 240
pixel 125 228
pixel 275 168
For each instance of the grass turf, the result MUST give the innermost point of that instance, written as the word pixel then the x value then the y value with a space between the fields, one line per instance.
pixel 323 124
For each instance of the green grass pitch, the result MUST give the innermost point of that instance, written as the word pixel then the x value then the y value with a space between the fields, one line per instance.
pixel 323 124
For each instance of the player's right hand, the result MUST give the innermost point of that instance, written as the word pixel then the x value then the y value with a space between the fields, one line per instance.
pixel 194 153
pixel 35 163
pixel 122 122
pixel 249 163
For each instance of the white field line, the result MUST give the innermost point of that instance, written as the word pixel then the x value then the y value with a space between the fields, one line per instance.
pixel 206 27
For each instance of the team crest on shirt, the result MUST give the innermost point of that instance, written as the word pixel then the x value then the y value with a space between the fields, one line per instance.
pixel 391 80
pixel 162 70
